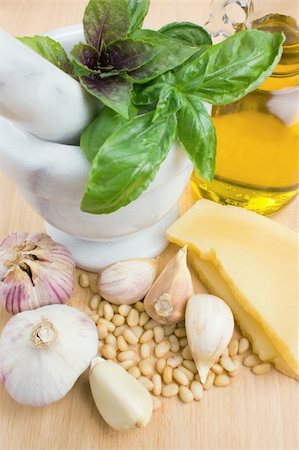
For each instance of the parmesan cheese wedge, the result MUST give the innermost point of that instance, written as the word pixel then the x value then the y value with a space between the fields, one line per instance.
pixel 251 262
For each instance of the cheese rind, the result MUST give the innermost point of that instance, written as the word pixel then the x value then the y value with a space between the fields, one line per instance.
pixel 252 263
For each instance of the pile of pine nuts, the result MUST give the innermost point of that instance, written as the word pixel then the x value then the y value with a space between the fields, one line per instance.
pixel 158 355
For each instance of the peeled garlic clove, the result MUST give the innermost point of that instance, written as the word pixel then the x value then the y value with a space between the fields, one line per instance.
pixel 166 300
pixel 122 401
pixel 34 271
pixel 127 282
pixel 209 325
pixel 43 352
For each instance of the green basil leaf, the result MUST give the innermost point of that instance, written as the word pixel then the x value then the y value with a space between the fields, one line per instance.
pixel 138 10
pixel 197 134
pixel 169 53
pixel 231 69
pixel 114 92
pixel 187 33
pixel 170 101
pixel 96 133
pixel 147 94
pixel 105 21
pixel 127 163
pixel 50 50
pixel 130 54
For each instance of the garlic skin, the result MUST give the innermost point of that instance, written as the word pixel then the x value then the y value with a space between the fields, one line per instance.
pixel 166 300
pixel 209 325
pixel 34 271
pixel 123 402
pixel 44 351
pixel 127 282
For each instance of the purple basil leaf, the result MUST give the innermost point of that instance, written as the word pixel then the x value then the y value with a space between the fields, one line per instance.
pixel 129 54
pixel 105 21
pixel 86 56
pixel 114 92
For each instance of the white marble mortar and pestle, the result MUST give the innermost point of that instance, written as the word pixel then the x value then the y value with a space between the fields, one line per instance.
pixel 42 112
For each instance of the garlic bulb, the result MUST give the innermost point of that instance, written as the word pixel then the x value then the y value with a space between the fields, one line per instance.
pixel 209 325
pixel 127 282
pixel 34 271
pixel 43 352
pixel 166 300
pixel 122 401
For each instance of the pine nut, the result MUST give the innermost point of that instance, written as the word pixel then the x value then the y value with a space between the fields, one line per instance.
pixel 124 356
pixel 101 308
pixel 143 318
pixel 124 310
pixel 180 377
pixel 187 372
pixel 168 329
pixel 167 375
pixel 261 369
pixel 122 344
pixel 158 334
pixel 146 337
pixel 186 395
pixel 156 379
pixel 130 337
pixel 133 318
pixel 180 332
pixel 109 325
pixel 83 280
pixel 93 285
pixel 227 364
pixel 94 302
pixel 160 365
pixel 225 352
pixel 237 364
pixel 148 384
pixel 111 340
pixel 139 306
pixel 156 403
pixel 170 390
pixel 134 371
pixel 118 320
pixel 251 360
pixel 94 318
pixel 197 377
pixel 162 348
pixel 183 342
pixel 233 347
pixel 119 330
pixel 145 351
pixel 146 367
pixel 128 363
pixel 175 361
pixel 174 343
pixel 222 380
pixel 217 369
pixel 137 331
pixel 108 351
pixel 209 381
pixel 102 331
pixel 190 365
pixel 197 390
pixel 243 345
pixel 186 353
pixel 151 324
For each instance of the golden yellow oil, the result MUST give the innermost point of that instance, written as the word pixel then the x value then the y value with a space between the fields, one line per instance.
pixel 258 139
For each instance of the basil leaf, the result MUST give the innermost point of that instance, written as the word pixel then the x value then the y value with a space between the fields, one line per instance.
pixel 147 94
pixel 170 101
pixel 96 133
pixel 130 54
pixel 187 33
pixel 170 53
pixel 127 163
pixel 114 92
pixel 231 69
pixel 86 58
pixel 50 50
pixel 138 10
pixel 197 134
pixel 105 21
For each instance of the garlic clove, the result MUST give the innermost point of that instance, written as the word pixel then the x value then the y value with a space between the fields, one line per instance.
pixel 122 401
pixel 166 300
pixel 44 351
pixel 209 325
pixel 127 282
pixel 34 271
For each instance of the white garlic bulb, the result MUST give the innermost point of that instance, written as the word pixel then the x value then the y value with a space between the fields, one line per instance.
pixel 122 401
pixel 127 282
pixel 209 325
pixel 34 271
pixel 43 352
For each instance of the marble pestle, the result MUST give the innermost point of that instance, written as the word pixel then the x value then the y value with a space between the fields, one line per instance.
pixel 39 97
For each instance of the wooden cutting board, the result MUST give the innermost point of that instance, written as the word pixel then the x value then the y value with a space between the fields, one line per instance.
pixel 253 413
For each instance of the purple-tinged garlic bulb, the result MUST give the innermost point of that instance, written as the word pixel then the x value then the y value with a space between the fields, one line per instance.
pixel 34 271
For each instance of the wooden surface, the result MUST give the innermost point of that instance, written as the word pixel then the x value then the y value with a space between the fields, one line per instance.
pixel 254 413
